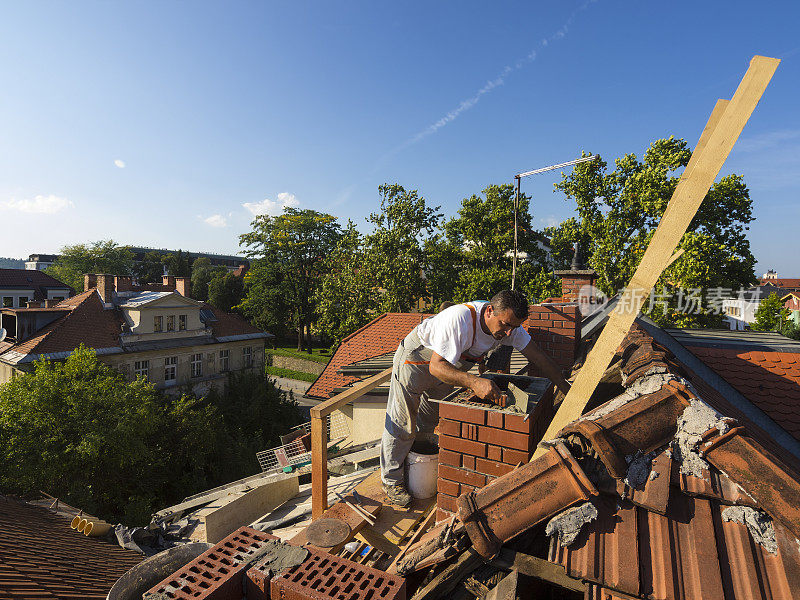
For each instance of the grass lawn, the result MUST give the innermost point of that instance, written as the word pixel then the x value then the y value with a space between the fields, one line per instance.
pixel 320 355
pixel 290 374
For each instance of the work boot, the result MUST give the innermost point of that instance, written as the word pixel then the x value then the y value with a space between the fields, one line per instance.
pixel 397 494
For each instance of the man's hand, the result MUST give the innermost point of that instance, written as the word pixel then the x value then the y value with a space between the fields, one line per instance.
pixel 486 389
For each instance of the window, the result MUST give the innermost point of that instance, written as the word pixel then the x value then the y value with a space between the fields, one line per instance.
pixel 23 301
pixel 158 324
pixel 141 367
pixel 170 369
pixel 8 302
pixel 197 365
pixel 247 356
pixel 224 360
pixel 181 322
pixel 171 323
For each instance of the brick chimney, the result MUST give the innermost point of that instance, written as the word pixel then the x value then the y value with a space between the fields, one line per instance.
pixel 575 278
pixel 556 329
pixel 123 283
pixel 168 281
pixel 183 285
pixel 89 281
pixel 33 304
pixel 105 287
pixel 51 303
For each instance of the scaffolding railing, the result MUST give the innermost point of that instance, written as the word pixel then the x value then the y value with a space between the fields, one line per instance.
pixel 297 453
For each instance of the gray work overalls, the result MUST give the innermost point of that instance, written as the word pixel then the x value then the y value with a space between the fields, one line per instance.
pixel 408 410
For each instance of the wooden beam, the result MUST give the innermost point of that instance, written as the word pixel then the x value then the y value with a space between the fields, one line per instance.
pixel 539 568
pixel 319 466
pixel 325 408
pixel 319 438
pixel 723 129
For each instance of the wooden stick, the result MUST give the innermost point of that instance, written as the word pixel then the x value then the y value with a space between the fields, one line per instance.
pixel 319 438
pixel 359 511
pixel 445 581
pixel 723 129
pixel 417 534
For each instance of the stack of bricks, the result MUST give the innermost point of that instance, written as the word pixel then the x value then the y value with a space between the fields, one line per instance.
pixel 556 330
pixel 477 445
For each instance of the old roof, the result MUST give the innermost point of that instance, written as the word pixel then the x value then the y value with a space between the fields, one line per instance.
pixel 380 336
pixel 37 281
pixel 782 282
pixel 91 324
pixel 41 557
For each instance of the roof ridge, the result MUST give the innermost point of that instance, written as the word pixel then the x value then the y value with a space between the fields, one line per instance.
pixel 363 327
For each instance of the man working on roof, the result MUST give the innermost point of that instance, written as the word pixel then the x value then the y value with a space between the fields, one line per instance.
pixel 434 358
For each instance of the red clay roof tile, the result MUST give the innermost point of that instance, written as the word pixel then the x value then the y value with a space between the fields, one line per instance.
pixel 379 336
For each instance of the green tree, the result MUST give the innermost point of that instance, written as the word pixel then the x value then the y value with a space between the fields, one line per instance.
pixel 345 299
pixel 202 274
pixel 121 450
pixel 771 315
pixel 104 256
pixel 225 291
pixel 484 231
pixel 288 252
pixel 394 251
pixel 619 211
pixel 150 270
pixel 177 264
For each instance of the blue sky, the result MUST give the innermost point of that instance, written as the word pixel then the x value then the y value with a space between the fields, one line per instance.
pixel 168 124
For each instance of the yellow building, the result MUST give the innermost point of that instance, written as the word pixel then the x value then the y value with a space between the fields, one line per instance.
pixel 156 332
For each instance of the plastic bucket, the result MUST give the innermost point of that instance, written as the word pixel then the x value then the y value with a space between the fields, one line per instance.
pixel 422 467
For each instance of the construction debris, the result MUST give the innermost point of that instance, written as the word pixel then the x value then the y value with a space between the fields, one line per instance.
pixel 758 523
pixel 568 524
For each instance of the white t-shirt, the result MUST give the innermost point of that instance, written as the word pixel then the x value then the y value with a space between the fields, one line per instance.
pixel 449 334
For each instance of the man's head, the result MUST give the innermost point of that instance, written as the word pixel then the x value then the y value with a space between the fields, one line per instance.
pixel 505 312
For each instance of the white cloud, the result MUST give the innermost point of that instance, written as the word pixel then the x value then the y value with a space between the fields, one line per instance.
pixel 272 207
pixel 45 205
pixel 216 221
pixel 767 140
pixel 119 163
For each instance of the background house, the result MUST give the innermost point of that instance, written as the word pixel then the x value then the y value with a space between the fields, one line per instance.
pixel 18 286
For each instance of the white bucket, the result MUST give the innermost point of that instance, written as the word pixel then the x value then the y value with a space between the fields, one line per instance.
pixel 423 467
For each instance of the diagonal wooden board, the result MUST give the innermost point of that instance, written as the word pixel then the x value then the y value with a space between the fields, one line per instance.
pixel 720 134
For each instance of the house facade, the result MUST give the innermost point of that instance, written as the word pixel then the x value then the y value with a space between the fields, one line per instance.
pixel 160 334
pixel 19 286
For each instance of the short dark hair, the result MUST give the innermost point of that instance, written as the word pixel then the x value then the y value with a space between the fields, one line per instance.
pixel 511 299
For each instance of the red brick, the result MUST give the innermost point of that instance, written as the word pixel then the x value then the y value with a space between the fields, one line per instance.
pixel 218 572
pixel 446 502
pixel 494 453
pixel 442 514
pixel 466 414
pixel 447 427
pixel 501 437
pixel 468 462
pixel 514 457
pixel 517 423
pixel 465 489
pixel 448 457
pixel 445 486
pixel 323 576
pixel 462 476
pixel 463 446
pixel 494 418
pixel 469 431
pixel 490 467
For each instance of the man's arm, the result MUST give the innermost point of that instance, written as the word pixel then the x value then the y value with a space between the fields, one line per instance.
pixel 446 372
pixel 546 365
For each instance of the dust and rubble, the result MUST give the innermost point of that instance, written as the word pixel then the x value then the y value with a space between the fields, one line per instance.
pixel 758 523
pixel 276 556
pixel 652 381
pixel 569 523
pixel 695 420
pixel 639 469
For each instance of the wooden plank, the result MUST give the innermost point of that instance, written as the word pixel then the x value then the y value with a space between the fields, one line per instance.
pixel 319 466
pixel 393 522
pixel 343 512
pixel 723 129
pixel 423 527
pixel 538 568
pixel 325 408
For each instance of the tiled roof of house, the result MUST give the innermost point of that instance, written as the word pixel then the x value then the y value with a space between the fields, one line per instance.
pixel 379 336
pixel 38 281
pixel 41 557
pixel 88 323
pixel 228 324
pixel 783 282
pixel 770 380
